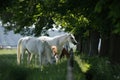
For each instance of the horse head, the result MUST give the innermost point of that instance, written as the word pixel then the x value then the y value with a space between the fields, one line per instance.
pixel 72 39
pixel 55 53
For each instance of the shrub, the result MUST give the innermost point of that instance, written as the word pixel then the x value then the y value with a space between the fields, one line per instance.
pixel 101 68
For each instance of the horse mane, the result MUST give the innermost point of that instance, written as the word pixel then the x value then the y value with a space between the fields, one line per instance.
pixel 58 36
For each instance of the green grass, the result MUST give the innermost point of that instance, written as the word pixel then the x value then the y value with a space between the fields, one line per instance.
pixel 7 51
pixel 9 70
pixel 84 67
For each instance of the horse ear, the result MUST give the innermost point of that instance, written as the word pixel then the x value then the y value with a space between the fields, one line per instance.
pixel 70 33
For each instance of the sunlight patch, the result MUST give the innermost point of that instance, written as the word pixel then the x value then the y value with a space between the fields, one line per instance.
pixel 82 64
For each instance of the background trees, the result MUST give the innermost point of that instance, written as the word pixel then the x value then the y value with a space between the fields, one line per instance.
pixel 88 20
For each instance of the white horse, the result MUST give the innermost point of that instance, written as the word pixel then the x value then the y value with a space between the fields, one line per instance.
pixel 59 41
pixel 34 46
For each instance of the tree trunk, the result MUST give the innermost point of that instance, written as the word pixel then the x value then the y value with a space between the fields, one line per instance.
pixel 85 46
pixel 105 45
pixel 94 41
pixel 115 48
pixel 79 46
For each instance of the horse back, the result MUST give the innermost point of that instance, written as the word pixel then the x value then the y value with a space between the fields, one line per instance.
pixel 34 45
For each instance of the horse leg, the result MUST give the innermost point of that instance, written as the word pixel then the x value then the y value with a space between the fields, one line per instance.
pixel 60 52
pixel 22 55
pixel 44 60
pixel 28 59
pixel 36 59
pixel 31 57
pixel 40 59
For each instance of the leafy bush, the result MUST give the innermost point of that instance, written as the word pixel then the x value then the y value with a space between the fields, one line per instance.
pixel 101 68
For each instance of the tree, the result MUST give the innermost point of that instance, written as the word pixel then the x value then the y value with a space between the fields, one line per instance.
pixel 21 14
pixel 88 20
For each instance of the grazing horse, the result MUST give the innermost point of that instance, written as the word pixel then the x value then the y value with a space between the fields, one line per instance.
pixel 34 46
pixel 65 53
pixel 55 53
pixel 59 41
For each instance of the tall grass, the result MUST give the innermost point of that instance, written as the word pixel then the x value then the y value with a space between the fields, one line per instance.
pixel 85 68
pixel 100 68
pixel 9 70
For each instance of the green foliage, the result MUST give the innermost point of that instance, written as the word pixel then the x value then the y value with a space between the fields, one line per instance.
pixel 43 14
pixel 74 16
pixel 101 68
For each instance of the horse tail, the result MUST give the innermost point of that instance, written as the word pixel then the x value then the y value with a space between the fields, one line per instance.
pixel 18 51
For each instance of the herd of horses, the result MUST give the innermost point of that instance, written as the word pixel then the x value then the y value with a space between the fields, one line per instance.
pixel 46 49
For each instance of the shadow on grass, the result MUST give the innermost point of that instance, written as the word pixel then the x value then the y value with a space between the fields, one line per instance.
pixel 100 69
pixel 10 71
pixel 8 58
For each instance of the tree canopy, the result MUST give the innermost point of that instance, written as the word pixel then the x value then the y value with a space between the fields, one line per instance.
pixel 72 15
pixel 87 19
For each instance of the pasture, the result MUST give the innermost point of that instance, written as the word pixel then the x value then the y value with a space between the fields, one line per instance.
pixel 9 70
pixel 84 68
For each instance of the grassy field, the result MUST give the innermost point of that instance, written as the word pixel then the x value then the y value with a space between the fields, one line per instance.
pixel 10 71
pixel 7 51
pixel 85 68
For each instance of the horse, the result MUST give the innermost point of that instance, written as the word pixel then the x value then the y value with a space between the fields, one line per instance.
pixel 64 52
pixel 34 46
pixel 54 49
pixel 59 40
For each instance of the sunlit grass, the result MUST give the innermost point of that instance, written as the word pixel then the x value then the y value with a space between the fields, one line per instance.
pixel 8 51
pixel 9 70
pixel 97 67
pixel 82 64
